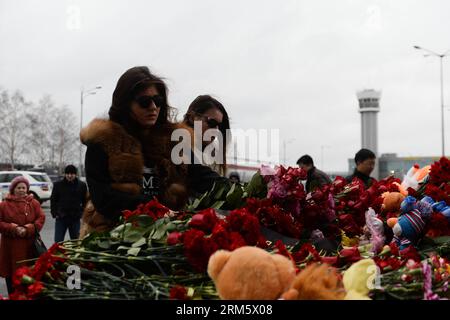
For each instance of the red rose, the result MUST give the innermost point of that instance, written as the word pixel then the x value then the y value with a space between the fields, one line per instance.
pixel 306 251
pixel 19 274
pixel 394 249
pixel 178 293
pixel 35 289
pixel 350 255
pixel 127 214
pixel 173 238
pixel 410 253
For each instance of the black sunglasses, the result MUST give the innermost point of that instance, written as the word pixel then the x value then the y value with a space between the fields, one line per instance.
pixel 145 101
pixel 212 123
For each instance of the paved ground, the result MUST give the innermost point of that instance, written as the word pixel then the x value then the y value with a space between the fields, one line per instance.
pixel 47 235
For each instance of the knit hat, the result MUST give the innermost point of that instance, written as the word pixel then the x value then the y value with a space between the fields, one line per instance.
pixel 16 181
pixel 70 169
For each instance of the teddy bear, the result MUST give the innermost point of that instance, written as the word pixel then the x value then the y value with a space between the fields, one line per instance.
pixel 410 225
pixel 251 273
pixel 391 203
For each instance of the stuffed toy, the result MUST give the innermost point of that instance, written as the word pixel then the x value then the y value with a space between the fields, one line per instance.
pixel 374 231
pixel 251 273
pixel 316 282
pixel 440 206
pixel 391 206
pixel 413 178
pixel 357 278
pixel 409 227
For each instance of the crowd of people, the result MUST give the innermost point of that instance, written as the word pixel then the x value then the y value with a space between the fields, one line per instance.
pixel 127 163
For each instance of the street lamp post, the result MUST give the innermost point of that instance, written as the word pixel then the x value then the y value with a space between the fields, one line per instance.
pixel 321 155
pixel 84 93
pixel 284 150
pixel 441 57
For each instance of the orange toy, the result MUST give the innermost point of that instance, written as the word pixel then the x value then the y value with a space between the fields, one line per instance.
pixel 413 178
pixel 251 273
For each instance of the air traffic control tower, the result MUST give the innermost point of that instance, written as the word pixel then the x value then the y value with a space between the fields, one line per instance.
pixel 369 107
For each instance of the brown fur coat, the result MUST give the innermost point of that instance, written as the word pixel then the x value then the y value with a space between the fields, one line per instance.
pixel 126 156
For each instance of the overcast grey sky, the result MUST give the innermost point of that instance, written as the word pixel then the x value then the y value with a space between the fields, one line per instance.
pixel 288 64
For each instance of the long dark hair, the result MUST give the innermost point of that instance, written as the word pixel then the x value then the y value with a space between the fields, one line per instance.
pixel 129 85
pixel 199 106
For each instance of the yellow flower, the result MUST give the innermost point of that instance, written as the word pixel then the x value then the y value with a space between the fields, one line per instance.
pixel 348 242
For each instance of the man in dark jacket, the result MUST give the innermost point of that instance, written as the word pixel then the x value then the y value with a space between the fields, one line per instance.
pixel 315 177
pixel 365 163
pixel 68 200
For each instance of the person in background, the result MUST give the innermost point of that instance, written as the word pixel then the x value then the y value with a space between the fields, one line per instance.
pixel 68 199
pixel 365 163
pixel 20 216
pixel 234 177
pixel 212 115
pixel 315 177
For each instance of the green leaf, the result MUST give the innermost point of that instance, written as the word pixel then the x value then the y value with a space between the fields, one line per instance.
pixel 218 204
pixel 171 227
pixel 234 197
pixel 143 220
pixel 256 188
pixel 133 251
pixel 159 233
pixel 441 240
pixel 220 192
pixel 104 244
pixel 133 234
pixel 139 243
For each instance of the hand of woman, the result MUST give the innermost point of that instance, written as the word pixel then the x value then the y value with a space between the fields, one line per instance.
pixel 14 225
pixel 29 225
pixel 21 231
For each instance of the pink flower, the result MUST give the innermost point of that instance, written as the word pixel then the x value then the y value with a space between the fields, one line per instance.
pixel 427 284
pixel 267 170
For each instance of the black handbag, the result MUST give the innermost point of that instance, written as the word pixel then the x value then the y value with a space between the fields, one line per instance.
pixel 38 245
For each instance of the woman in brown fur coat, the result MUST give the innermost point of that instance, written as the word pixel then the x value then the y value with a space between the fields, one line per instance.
pixel 128 157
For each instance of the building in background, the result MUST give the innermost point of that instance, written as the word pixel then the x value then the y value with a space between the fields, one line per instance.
pixel 369 107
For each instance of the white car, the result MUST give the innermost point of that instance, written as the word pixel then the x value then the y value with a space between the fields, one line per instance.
pixel 40 184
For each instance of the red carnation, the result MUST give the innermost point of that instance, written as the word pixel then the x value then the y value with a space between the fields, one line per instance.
pixel 410 253
pixel 236 241
pixel 204 220
pixel 178 293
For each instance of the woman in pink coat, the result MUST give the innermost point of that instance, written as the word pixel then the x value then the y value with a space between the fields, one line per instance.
pixel 20 214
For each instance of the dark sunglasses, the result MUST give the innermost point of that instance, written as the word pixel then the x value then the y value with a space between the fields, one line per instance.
pixel 212 123
pixel 145 101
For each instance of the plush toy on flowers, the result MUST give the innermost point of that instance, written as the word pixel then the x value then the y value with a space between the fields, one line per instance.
pixel 409 227
pixel 414 178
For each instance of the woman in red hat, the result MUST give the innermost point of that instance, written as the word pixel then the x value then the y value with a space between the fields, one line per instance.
pixel 20 216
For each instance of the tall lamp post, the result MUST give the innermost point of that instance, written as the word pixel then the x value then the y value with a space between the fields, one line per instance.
pixel 321 156
pixel 441 57
pixel 84 93
pixel 284 149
